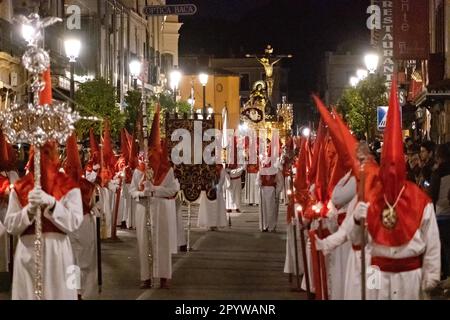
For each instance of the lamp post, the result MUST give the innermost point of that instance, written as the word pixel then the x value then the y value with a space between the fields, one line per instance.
pixel 203 77
pixel 72 48
pixel 175 78
pixel 135 71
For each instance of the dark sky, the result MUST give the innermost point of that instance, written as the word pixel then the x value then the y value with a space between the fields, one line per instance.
pixel 304 28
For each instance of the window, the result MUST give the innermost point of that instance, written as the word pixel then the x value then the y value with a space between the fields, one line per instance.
pixel 245 82
pixel 166 62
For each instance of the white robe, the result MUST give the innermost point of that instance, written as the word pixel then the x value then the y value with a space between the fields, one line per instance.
pixel 181 234
pixel 141 214
pixel 251 189
pixel 310 271
pixel 289 263
pixel 269 204
pixel 84 244
pixel 407 285
pixel 164 228
pixel 131 207
pixel 4 241
pixel 233 187
pixel 58 281
pixel 212 213
pixel 107 200
pixel 91 176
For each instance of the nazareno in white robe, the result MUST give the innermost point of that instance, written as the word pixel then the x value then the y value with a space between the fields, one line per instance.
pixel 407 285
pixel 164 228
pixel 212 213
pixel 4 242
pixel 233 188
pixel 181 234
pixel 251 195
pixel 59 278
pixel 269 203
pixel 142 204
pixel 84 244
pixel 289 262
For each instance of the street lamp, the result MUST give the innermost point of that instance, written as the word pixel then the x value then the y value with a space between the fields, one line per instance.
pixel 135 71
pixel 371 60
pixel 175 78
pixel 203 77
pixel 362 74
pixel 72 48
pixel 354 81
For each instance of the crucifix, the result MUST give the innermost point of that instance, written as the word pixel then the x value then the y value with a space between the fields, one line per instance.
pixel 268 60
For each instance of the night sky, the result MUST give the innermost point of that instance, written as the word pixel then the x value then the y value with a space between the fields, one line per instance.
pixel 304 28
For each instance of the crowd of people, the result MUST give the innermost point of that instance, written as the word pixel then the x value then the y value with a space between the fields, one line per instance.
pixel 374 227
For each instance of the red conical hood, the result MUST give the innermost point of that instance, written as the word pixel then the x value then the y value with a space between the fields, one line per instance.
pixel 125 145
pixel 8 156
pixel 4 158
pixel 164 165
pixel 134 150
pixel 45 96
pixel 320 139
pixel 393 166
pixel 72 165
pixel 350 145
pixel 301 176
pixel 109 160
pixel 154 140
pixel 154 143
pixel 95 149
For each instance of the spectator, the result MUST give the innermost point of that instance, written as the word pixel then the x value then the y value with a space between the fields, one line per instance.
pixel 426 163
pixel 439 190
pixel 409 142
pixel 413 163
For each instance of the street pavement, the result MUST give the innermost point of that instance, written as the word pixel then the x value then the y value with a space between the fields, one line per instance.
pixel 233 263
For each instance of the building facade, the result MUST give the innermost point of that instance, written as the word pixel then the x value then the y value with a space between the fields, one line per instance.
pixel 337 68
pixel 112 34
pixel 427 81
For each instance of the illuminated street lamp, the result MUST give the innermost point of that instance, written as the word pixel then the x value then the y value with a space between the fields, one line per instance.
pixel 72 48
pixel 354 81
pixel 362 74
pixel 203 77
pixel 371 60
pixel 175 78
pixel 135 71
